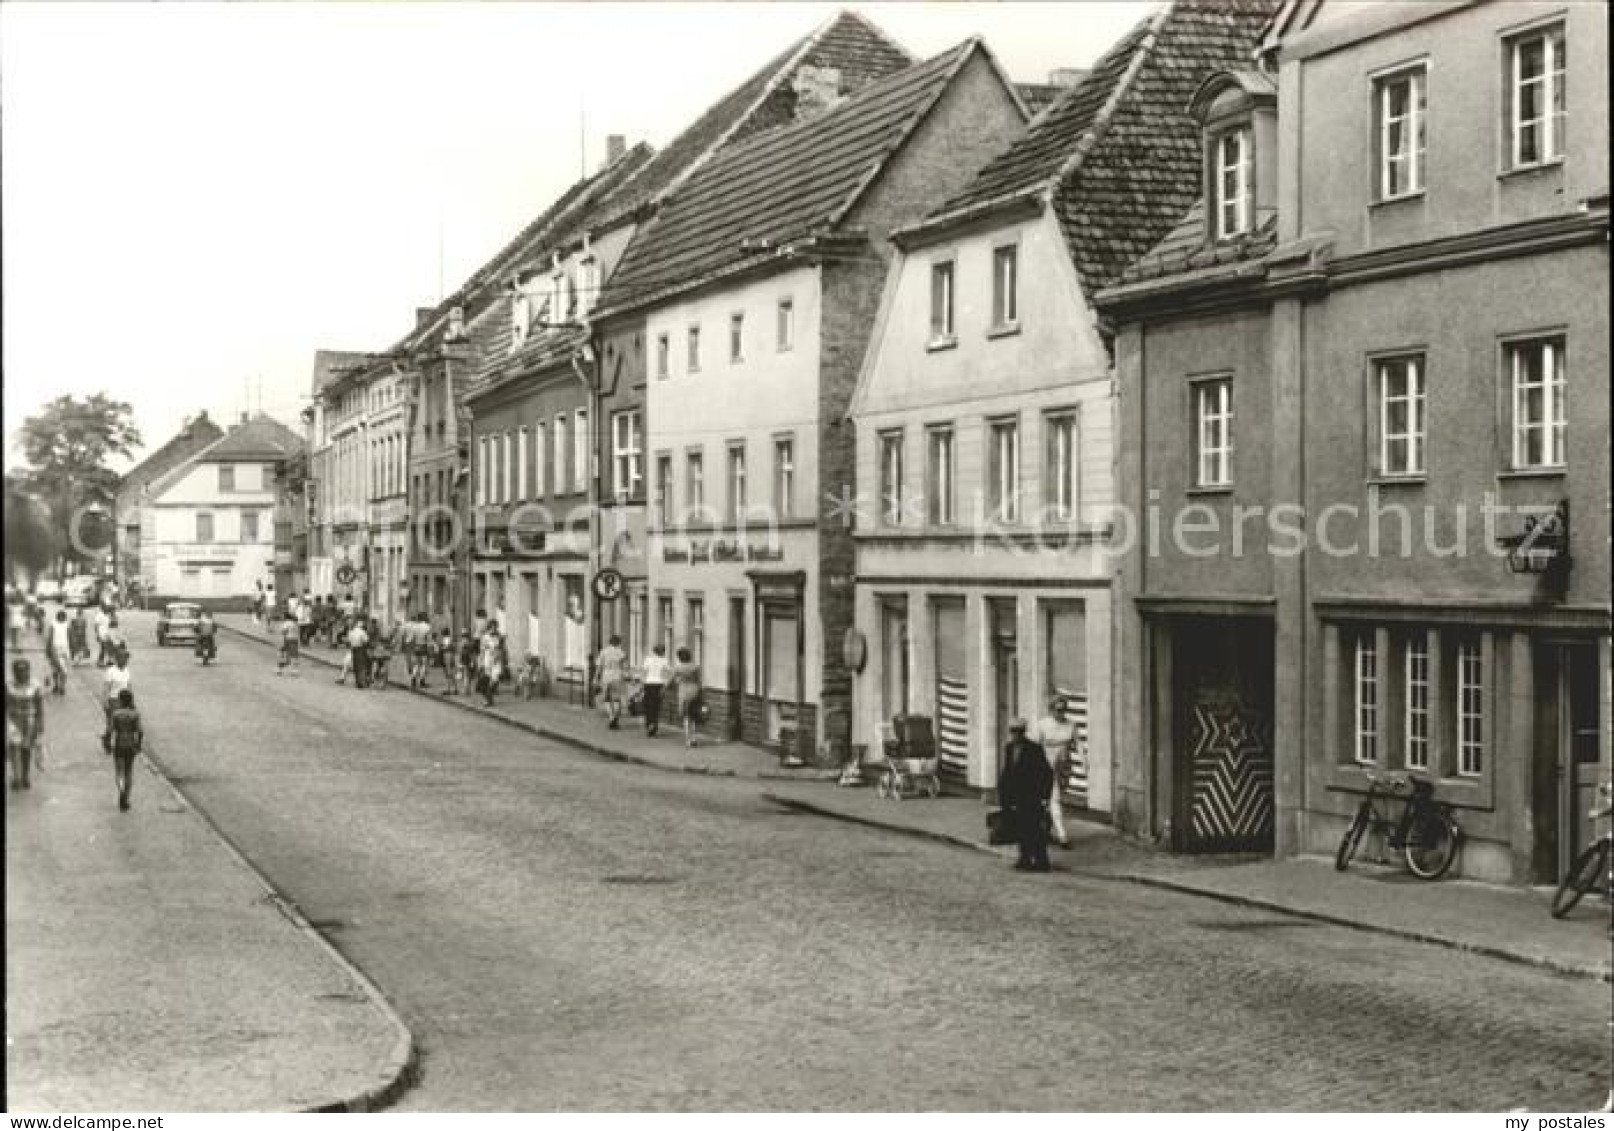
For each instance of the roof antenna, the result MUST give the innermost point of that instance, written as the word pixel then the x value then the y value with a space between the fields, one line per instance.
pixel 582 139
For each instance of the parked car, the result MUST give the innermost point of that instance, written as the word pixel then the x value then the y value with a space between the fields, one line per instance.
pixel 48 589
pixel 80 592
pixel 177 622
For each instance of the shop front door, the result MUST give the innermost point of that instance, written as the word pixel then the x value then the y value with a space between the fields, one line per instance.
pixel 1568 757
pixel 1224 797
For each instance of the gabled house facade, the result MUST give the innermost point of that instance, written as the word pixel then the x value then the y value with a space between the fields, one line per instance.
pixel 1384 362
pixel 129 505
pixel 984 413
pixel 843 56
pixel 208 524
pixel 757 283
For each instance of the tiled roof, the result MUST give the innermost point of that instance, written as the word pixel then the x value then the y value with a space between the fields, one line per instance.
pixel 781 186
pixel 1117 155
pixel 197 434
pixel 848 44
pixel 1186 249
pixel 331 364
pixel 260 438
pixel 1038 96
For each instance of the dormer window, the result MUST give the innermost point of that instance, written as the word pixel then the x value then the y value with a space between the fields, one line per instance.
pixel 520 317
pixel 1238 112
pixel 588 285
pixel 1232 189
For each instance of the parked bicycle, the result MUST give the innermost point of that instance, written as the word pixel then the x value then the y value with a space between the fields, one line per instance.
pixel 1425 832
pixel 1595 863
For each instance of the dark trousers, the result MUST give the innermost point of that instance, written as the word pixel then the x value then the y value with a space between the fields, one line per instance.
pixel 361 667
pixel 652 707
pixel 1032 826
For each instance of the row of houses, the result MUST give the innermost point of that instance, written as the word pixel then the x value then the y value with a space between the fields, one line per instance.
pixel 894 386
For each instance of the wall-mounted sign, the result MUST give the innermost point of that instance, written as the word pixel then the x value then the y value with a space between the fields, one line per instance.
pixel 607 584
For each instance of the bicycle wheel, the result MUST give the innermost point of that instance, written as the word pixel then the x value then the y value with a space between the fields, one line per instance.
pixel 1589 867
pixel 1431 846
pixel 1352 839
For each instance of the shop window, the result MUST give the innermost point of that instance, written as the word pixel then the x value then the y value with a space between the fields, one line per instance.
pixel 1365 699
pixel 1416 703
pixel 1469 701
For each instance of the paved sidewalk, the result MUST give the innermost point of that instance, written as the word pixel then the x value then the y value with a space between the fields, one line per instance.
pixel 573 723
pixel 1503 922
pixel 149 968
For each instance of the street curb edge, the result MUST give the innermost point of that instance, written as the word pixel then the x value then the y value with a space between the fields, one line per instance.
pixel 403 1065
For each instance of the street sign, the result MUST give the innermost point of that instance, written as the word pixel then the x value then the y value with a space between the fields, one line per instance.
pixel 608 584
pixel 346 574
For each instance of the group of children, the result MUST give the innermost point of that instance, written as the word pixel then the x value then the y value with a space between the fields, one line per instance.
pixel 122 739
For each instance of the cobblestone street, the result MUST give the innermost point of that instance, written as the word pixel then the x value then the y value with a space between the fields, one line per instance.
pixel 562 932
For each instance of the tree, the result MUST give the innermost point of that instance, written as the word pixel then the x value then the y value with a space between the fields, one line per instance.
pixel 30 541
pixel 67 445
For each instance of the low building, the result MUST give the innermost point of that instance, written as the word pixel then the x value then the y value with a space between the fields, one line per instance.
pixel 207 529
pixel 130 502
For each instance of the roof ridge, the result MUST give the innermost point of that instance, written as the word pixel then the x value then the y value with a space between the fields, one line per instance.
pixel 1100 124
pixel 964 51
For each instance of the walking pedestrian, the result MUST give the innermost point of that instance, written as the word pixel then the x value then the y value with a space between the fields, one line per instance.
pixel 612 666
pixel 657 671
pixel 383 642
pixel 1023 788
pixel 465 658
pixel 117 644
pixel 58 652
pixel 14 616
pixel 118 678
pixel 78 638
pixel 103 619
pixel 123 739
pixel 257 603
pixel 491 663
pixel 290 647
pixel 25 723
pixel 1056 733
pixel 691 704
pixel 305 618
pixel 358 656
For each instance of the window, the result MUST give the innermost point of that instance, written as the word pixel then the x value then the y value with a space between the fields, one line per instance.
pixel 1540 416
pixel 891 494
pixel 1366 711
pixel 696 634
pixel 939 477
pixel 787 325
pixel 663 355
pixel 941 301
pixel 481 471
pixel 736 337
pixel 1401 415
pixel 737 482
pixel 560 449
pixel 226 477
pixel 204 527
pixel 1213 432
pixel 1535 97
pixel 695 479
pixel 627 455
pixel 1059 467
pixel 523 466
pixel 1399 104
pixel 664 624
pixel 509 469
pixel 1003 483
pixel 1470 709
pixel 540 459
pixel 664 490
pixel 249 526
pixel 588 285
pixel 1005 286
pixel 694 349
pixel 1415 699
pixel 582 457
pixel 520 316
pixel 636 611
pixel 1232 184
pixel 784 475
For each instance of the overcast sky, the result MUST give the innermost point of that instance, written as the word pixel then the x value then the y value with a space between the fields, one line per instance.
pixel 197 197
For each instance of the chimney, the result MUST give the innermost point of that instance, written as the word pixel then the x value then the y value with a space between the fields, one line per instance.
pixel 423 315
pixel 615 146
pixel 245 416
pixel 1065 76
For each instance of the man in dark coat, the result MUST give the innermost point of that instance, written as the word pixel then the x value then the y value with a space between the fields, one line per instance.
pixel 1023 790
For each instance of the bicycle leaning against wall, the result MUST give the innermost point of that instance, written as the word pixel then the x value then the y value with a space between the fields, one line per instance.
pixel 1425 831
pixel 1595 863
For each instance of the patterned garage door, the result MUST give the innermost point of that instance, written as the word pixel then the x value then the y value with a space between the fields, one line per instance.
pixel 1075 784
pixel 953 703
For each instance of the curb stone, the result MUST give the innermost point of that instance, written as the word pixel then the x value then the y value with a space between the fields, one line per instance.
pixel 1541 962
pixel 573 740
pixel 403 1065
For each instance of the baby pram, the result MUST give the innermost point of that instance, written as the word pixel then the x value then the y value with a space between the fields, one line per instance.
pixel 909 766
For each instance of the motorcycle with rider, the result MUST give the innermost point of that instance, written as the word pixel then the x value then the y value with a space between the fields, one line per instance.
pixel 207 648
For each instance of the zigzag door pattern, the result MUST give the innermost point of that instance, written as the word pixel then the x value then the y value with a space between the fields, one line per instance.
pixel 1231 757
